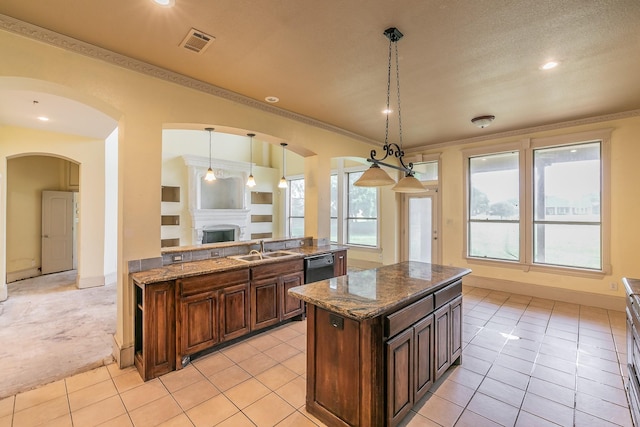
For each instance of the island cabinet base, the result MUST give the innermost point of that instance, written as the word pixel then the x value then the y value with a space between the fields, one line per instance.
pixel 371 372
pixel 344 369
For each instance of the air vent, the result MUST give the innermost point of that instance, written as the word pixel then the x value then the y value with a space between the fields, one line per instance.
pixel 197 41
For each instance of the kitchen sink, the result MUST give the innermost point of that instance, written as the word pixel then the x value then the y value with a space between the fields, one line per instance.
pixel 252 257
pixel 277 254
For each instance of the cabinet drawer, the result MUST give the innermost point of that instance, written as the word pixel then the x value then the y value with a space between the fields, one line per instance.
pixel 445 295
pixel 407 316
pixel 277 269
pixel 197 284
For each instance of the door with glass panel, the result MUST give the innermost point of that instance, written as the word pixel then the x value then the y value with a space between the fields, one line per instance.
pixel 419 230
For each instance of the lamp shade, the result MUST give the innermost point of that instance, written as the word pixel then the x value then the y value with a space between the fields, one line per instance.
pixel 374 177
pixel 251 182
pixel 408 184
pixel 210 176
pixel 282 183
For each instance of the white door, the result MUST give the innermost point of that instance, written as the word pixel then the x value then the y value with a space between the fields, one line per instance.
pixel 420 232
pixel 57 231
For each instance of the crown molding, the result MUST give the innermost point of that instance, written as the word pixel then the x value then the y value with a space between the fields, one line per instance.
pixel 44 35
pixel 530 130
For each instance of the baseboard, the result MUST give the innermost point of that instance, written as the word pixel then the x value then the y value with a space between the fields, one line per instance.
pixel 90 282
pixel 608 302
pixel 14 276
pixel 110 278
pixel 124 356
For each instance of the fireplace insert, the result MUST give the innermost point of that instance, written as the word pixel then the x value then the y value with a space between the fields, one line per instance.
pixel 214 236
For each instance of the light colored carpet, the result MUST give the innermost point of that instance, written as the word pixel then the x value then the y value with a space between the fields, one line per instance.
pixel 49 330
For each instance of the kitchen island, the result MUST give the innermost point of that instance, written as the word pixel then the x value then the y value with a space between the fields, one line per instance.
pixel 378 339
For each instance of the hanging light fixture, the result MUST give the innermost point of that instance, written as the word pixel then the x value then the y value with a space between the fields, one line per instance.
pixel 210 176
pixel 375 176
pixel 283 181
pixel 251 182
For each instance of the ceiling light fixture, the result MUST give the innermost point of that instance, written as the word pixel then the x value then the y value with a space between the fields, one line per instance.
pixel 210 176
pixel 283 181
pixel 165 3
pixel 251 182
pixel 272 99
pixel 375 176
pixel 483 121
pixel 549 65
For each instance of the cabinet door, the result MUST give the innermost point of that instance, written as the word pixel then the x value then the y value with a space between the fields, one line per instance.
pixel 423 359
pixel 199 327
pixel 456 329
pixel 265 308
pixel 340 263
pixel 400 376
pixel 157 326
pixel 291 306
pixel 442 346
pixel 234 311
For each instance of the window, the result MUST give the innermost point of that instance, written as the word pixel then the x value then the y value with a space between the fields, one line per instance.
pixel 494 216
pixel 362 213
pixel 295 213
pixel 567 228
pixel 540 203
pixel 334 209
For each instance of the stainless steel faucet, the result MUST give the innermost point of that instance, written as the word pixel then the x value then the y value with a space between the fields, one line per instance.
pixel 261 245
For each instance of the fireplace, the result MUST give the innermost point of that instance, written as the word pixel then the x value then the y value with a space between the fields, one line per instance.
pixel 221 235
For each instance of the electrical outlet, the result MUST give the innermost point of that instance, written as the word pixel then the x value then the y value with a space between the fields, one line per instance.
pixel 177 258
pixel 613 286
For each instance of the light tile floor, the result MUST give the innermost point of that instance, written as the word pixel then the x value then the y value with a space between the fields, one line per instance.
pixel 526 362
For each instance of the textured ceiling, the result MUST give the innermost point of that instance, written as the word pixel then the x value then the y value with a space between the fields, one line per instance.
pixel 328 60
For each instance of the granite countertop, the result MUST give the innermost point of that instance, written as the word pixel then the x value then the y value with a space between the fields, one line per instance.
pixel 632 285
pixel 215 265
pixel 365 294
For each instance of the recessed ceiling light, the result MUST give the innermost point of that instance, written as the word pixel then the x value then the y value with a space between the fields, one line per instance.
pixel 272 99
pixel 549 65
pixel 43 118
pixel 165 3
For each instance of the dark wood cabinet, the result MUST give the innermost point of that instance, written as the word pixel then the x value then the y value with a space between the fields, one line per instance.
pixel 340 263
pixel 155 348
pixel 448 335
pixel 373 371
pixel 270 300
pixel 212 308
pixel 198 322
pixel 234 314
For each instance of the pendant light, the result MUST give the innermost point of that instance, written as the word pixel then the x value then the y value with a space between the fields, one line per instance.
pixel 375 176
pixel 251 182
pixel 210 176
pixel 283 181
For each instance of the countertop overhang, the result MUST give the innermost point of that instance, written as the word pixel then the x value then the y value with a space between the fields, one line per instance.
pixel 215 265
pixel 368 293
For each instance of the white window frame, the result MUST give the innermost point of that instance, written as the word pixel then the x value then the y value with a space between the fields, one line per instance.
pixel 287 219
pixel 526 149
pixel 343 184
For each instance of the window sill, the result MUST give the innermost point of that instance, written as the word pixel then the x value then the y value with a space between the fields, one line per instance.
pixel 547 269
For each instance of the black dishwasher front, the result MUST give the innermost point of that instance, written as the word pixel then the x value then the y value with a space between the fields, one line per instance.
pixel 318 267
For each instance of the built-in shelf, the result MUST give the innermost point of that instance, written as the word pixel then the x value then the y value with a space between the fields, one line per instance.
pixel 170 194
pixel 169 243
pixel 261 235
pixel 261 218
pixel 170 220
pixel 261 198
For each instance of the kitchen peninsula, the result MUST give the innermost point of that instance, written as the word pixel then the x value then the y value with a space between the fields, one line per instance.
pixel 378 339
pixel 189 306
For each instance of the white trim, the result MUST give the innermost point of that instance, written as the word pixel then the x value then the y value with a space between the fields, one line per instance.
pixel 90 282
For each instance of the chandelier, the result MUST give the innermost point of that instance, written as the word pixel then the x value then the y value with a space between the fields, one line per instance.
pixel 375 176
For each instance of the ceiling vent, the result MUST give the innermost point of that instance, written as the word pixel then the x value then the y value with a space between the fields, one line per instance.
pixel 197 41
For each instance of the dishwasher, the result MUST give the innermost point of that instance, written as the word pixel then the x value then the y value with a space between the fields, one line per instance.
pixel 318 267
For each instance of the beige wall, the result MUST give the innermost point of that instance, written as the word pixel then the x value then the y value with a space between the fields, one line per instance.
pixel 143 105
pixel 625 206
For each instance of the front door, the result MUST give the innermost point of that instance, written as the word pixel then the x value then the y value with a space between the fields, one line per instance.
pixel 57 231
pixel 420 233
